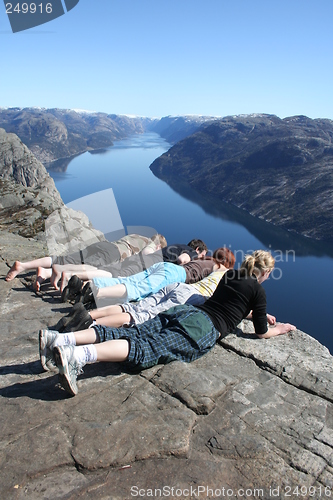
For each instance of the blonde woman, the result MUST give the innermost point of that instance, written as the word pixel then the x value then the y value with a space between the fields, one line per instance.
pixel 183 333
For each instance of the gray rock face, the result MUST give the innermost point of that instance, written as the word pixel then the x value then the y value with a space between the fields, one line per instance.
pixel 30 204
pixel 277 170
pixel 252 414
pixel 68 230
pixel 18 164
pixel 28 194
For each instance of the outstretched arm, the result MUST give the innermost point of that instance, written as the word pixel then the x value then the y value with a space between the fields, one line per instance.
pixel 270 319
pixel 279 329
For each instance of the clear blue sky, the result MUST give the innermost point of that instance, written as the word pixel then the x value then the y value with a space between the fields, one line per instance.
pixel 162 57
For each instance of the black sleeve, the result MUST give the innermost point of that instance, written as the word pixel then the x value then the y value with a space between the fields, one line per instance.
pixel 172 252
pixel 259 314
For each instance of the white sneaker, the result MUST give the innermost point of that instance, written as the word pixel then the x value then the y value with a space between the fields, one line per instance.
pixel 46 341
pixel 69 367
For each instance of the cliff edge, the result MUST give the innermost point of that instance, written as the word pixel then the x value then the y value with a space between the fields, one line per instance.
pixel 253 415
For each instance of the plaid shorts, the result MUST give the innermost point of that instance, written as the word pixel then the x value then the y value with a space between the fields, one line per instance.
pixel 182 333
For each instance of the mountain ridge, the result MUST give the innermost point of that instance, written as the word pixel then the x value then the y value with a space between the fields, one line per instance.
pixel 53 134
pixel 280 170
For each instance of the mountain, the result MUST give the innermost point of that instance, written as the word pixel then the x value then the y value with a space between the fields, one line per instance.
pixel 59 133
pixel 53 134
pixel 176 128
pixel 280 170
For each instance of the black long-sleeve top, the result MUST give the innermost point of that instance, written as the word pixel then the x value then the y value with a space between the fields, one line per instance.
pixel 235 296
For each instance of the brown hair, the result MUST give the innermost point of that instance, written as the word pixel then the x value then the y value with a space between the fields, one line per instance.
pixel 224 256
pixel 198 244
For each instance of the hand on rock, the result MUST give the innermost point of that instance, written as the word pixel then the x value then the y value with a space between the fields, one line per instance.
pixel 271 319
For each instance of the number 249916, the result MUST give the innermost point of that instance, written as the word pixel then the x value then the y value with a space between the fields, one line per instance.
pixel 26 8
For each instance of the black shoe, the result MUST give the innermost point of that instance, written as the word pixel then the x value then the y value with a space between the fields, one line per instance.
pixel 81 318
pixel 91 304
pixel 86 295
pixel 84 324
pixel 73 288
pixel 65 294
pixel 62 324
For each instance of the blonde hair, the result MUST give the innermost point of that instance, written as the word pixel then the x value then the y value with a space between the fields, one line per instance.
pixel 258 262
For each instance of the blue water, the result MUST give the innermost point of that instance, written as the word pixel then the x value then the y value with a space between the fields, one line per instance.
pixel 300 290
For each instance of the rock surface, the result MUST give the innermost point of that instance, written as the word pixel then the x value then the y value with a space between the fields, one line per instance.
pixel 28 193
pixel 252 417
pixel 19 165
pixel 251 414
pixel 277 170
pixel 31 206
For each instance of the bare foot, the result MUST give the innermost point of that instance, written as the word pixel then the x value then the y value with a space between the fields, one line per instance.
pixel 55 277
pixel 65 277
pixel 16 268
pixel 41 275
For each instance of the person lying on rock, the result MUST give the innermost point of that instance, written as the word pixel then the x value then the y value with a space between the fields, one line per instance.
pixel 177 254
pixel 95 261
pixel 183 333
pixel 134 313
pixel 140 285
pixel 93 257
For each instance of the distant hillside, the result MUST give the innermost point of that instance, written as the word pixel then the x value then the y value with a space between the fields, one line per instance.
pixel 53 134
pixel 176 128
pixel 57 133
pixel 277 170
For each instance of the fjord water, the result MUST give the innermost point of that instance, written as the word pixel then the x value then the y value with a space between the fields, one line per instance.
pixel 300 290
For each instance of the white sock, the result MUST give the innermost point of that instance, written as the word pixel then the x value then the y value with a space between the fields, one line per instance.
pixel 86 354
pixel 65 339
